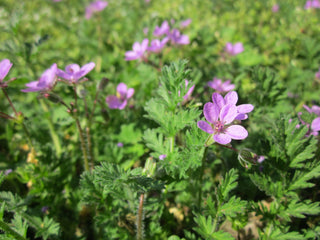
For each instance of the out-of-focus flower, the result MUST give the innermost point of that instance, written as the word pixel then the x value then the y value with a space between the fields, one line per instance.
pixel 185 23
pixel 176 37
pixel 121 99
pixel 5 66
pixel 221 87
pixel 138 50
pixel 74 73
pixel 163 29
pixel 96 6
pixel 7 172
pixel 314 127
pixel 45 83
pixel 220 123
pixel 45 209
pixel 120 144
pixel 234 49
pixel 232 98
pixel 275 8
pixel 156 45
pixel 312 4
pixel 189 92
pixel 314 109
pixel 317 75
pixel 162 157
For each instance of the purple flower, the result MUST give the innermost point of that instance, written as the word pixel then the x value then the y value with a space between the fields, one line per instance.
pixel 185 23
pixel 312 4
pixel 220 123
pixel 314 109
pixel 176 37
pixel 120 100
pixel 96 6
pixel 162 157
pixel 220 86
pixel 138 50
pixel 156 45
pixel 120 144
pixel 45 83
pixel 314 128
pixel 73 72
pixel 234 49
pixel 317 75
pixel 232 98
pixel 275 8
pixel 5 66
pixel 7 172
pixel 189 92
pixel 163 29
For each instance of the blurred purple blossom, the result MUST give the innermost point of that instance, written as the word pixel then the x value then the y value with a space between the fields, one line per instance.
pixel 5 66
pixel 7 172
pixel 312 4
pixel 162 157
pixel 96 6
pixel 163 29
pixel 314 128
pixel 275 8
pixel 44 209
pixel 73 72
pixel 121 99
pixel 156 45
pixel 234 49
pixel 232 98
pixel 317 75
pixel 45 83
pixel 138 50
pixel 176 37
pixel 220 123
pixel 120 144
pixel 185 23
pixel 189 92
pixel 314 109
pixel 221 87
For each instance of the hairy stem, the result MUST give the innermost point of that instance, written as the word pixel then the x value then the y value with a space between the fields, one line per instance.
pixel 201 176
pixel 9 100
pixel 140 218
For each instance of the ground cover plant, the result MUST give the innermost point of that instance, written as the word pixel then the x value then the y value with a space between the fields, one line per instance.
pixel 159 119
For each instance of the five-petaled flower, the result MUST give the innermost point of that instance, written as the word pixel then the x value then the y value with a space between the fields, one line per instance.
pixel 121 99
pixel 234 49
pixel 219 86
pixel 45 83
pixel 138 50
pixel 73 72
pixel 220 123
pixel 5 66
pixel 93 7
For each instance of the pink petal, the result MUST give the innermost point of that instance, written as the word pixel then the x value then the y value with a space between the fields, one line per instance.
pixel 113 102
pixel 5 66
pixel 130 93
pixel 245 108
pixel 236 132
pixel 211 112
pixel 315 125
pixel 204 126
pixel 122 90
pixel 218 100
pixel 222 138
pixel 72 68
pixel 228 113
pixel 231 98
pixel 84 70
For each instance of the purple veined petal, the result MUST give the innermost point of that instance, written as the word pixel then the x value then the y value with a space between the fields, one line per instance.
pixel 241 116
pixel 5 66
pixel 245 108
pixel 122 90
pixel 113 102
pixel 226 86
pixel 32 87
pixel 183 40
pixel 218 100
pixel 215 83
pixel 228 113
pixel 85 69
pixel 315 125
pixel 131 55
pixel 315 109
pixel 130 93
pixel 63 75
pixel 136 47
pixel 123 104
pixel 236 132
pixel 231 98
pixel 72 68
pixel 211 112
pixel 222 138
pixel 204 126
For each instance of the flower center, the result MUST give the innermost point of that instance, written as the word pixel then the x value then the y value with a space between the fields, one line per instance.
pixel 218 127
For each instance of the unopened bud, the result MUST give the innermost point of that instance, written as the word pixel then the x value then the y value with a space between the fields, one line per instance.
pixel 246 157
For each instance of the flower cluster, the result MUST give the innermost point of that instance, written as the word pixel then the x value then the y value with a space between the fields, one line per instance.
pixel 317 75
pixel 312 4
pixel 94 7
pixel 234 49
pixel 139 50
pixel 222 114
pixel 219 86
pixel 120 100
pixel 72 74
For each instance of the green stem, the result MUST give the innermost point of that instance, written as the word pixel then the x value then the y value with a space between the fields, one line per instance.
pixel 11 104
pixel 5 227
pixel 201 176
pixel 90 150
pixel 171 140
pixel 83 145
pixel 140 218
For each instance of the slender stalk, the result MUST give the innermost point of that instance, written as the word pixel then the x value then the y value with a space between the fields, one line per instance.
pixel 201 176
pixel 11 104
pixel 140 218
pixel 171 139
pixel 4 226
pixel 89 145
pixel 83 145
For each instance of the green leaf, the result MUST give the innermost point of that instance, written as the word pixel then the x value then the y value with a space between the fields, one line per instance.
pixel 301 178
pixel 232 207
pixel 228 184
pixel 300 209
